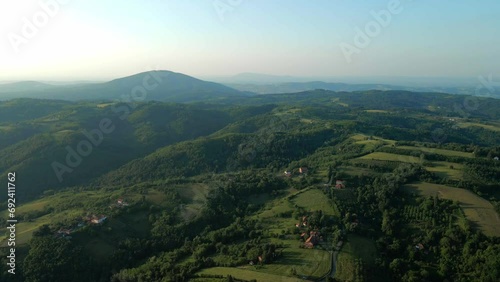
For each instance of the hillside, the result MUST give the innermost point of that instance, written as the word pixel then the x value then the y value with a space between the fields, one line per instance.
pixel 374 185
pixel 32 147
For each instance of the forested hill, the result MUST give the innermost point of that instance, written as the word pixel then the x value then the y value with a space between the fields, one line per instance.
pixel 147 86
pixel 448 104
pixel 396 183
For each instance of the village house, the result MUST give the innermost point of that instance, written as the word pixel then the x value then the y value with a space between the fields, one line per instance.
pixel 121 202
pixel 98 220
pixel 302 170
pixel 339 184
pixel 496 158
pixel 312 240
pixel 288 173
pixel 64 231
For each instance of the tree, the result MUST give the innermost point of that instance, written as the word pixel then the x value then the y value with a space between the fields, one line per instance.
pixel 55 259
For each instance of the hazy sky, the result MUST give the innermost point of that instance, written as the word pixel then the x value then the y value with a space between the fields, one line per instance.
pixel 90 39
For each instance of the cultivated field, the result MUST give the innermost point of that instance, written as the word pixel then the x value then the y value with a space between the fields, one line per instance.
pixel 443 152
pixel 485 126
pixel 447 170
pixel 355 248
pixel 390 157
pixel 248 274
pixel 315 200
pixel 477 210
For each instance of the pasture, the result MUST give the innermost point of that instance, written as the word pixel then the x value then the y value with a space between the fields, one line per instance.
pixel 479 211
pixel 314 200
pixel 390 157
pixel 446 170
pixel 248 274
pixel 443 152
pixel 356 251
pixel 475 124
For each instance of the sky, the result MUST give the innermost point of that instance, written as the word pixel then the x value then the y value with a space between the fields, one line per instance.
pixel 100 40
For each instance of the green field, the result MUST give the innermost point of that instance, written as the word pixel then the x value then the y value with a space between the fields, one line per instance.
pixel 485 126
pixel 248 274
pixel 477 210
pixel 24 230
pixel 390 157
pixel 37 205
pixel 359 171
pixel 377 111
pixel 438 151
pixel 355 248
pixel 444 170
pixel 315 200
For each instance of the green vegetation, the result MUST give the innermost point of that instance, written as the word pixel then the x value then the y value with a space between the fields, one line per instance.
pixel 390 157
pixel 247 274
pixel 315 200
pixel 355 253
pixel 475 124
pixel 478 211
pixel 199 191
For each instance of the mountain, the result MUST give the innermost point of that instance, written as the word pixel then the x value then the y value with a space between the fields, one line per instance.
pixel 22 86
pixel 294 87
pixel 164 86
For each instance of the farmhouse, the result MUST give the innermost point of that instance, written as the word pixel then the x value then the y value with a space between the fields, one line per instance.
pixel 98 220
pixel 496 158
pixel 64 231
pixel 121 203
pixel 312 240
pixel 419 247
pixel 302 170
pixel 339 184
pixel 288 173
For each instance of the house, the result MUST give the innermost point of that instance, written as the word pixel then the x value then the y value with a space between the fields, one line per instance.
pixel 339 184
pixel 302 170
pixel 312 240
pixel 419 247
pixel 121 202
pixel 98 220
pixel 288 173
pixel 64 231
pixel 496 158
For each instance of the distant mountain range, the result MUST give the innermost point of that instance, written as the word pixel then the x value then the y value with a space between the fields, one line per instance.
pixel 164 86
pixel 168 86
pixel 294 87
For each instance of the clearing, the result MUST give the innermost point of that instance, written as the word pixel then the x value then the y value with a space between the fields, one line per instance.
pixel 390 157
pixel 478 210
pixel 443 152
pixel 355 250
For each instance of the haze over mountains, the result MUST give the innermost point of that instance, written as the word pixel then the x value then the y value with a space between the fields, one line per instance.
pixel 176 87
pixel 159 85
